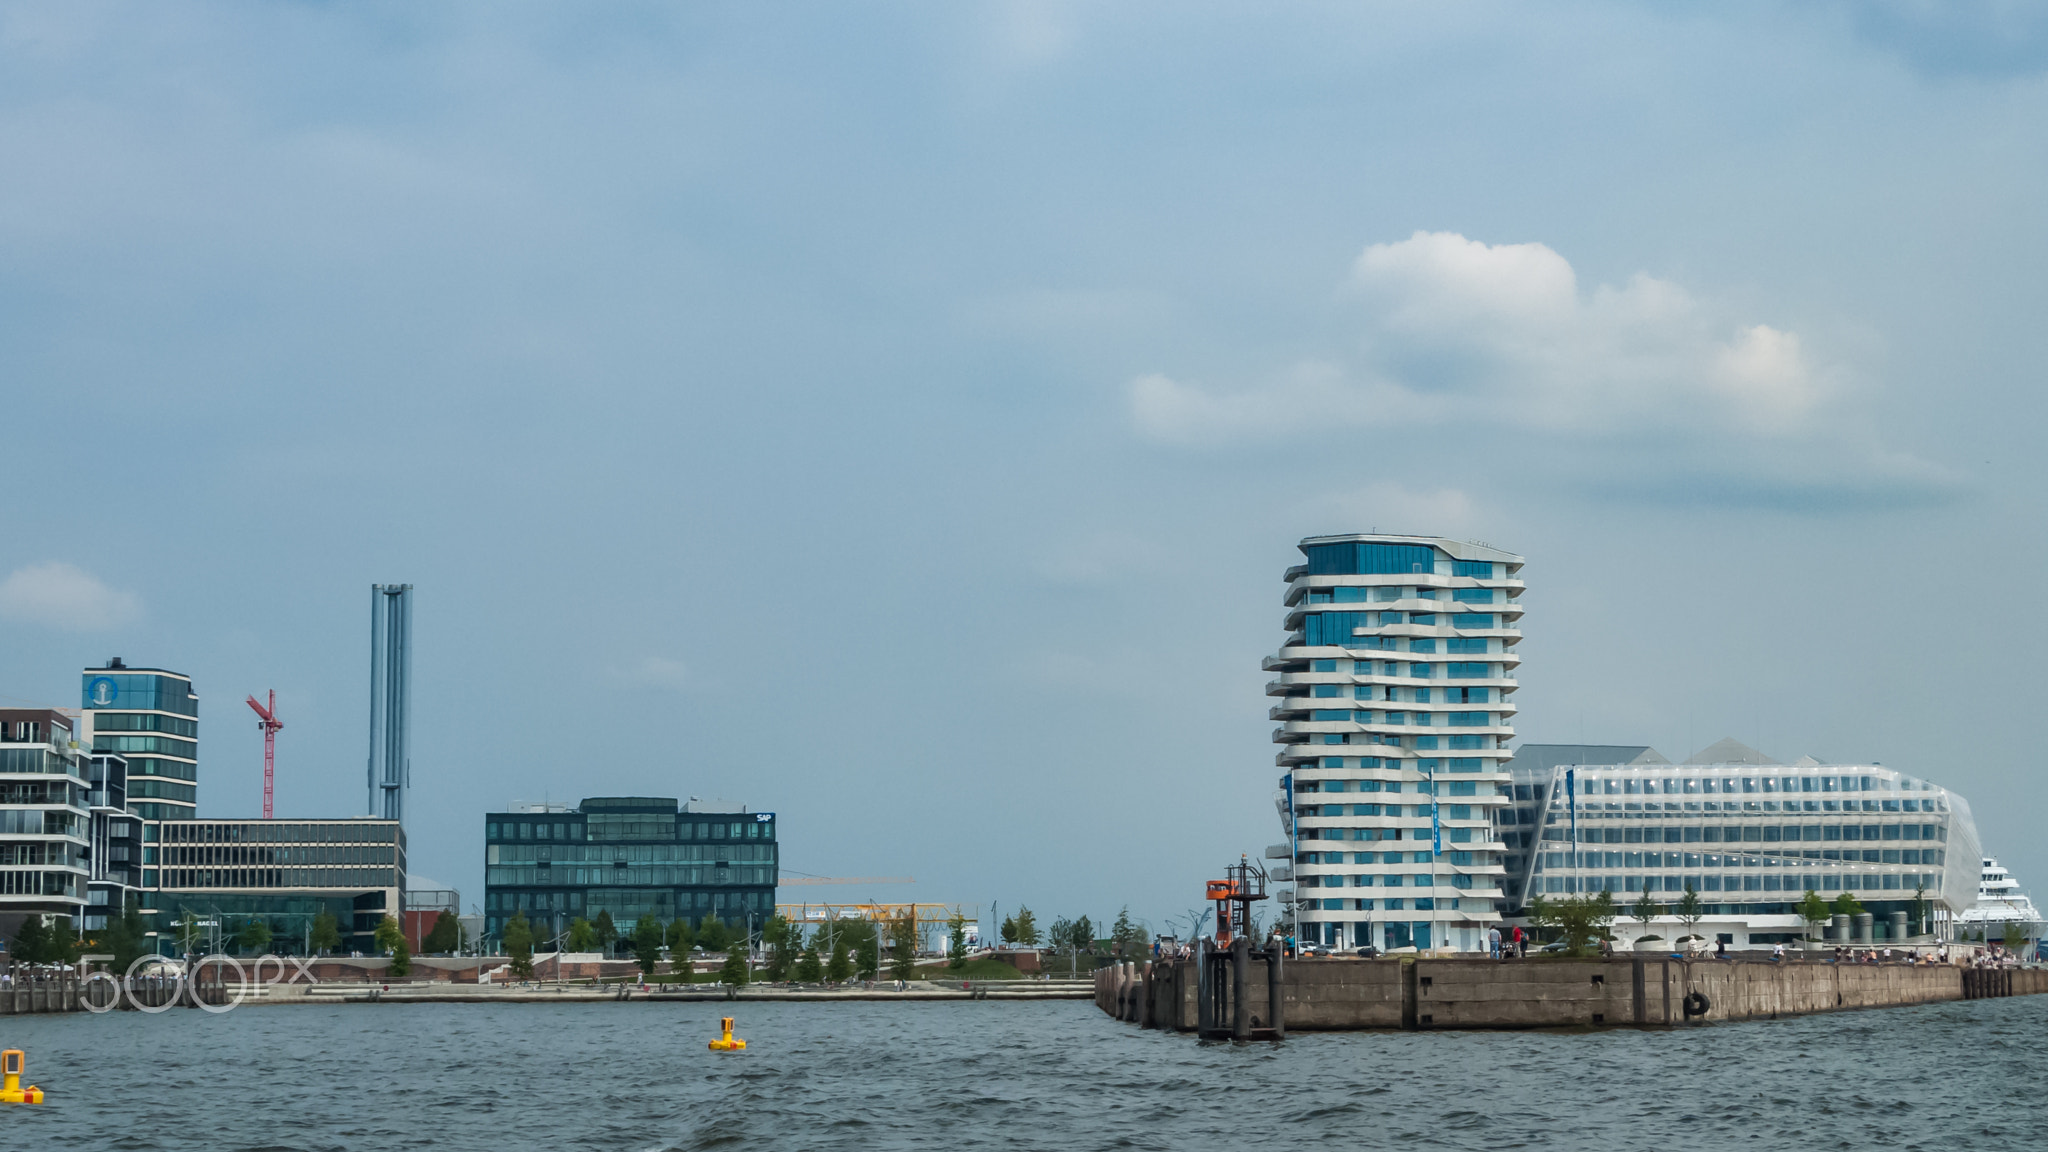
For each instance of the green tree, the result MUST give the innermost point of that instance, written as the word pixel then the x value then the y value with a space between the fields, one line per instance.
pixel 841 966
pixel 1813 908
pixel 326 935
pixel 1581 920
pixel 606 931
pixel 445 937
pixel 1008 931
pixel 956 941
pixel 809 969
pixel 1026 927
pixel 254 937
pixel 903 947
pixel 1846 904
pixel 1644 910
pixel 647 936
pixel 1689 910
pixel 582 936
pixel 734 971
pixel 31 941
pixel 62 946
pixel 1126 939
pixel 680 938
pixel 125 937
pixel 778 939
pixel 388 936
pixel 713 935
pixel 867 954
pixel 2015 937
pixel 401 960
pixel 519 945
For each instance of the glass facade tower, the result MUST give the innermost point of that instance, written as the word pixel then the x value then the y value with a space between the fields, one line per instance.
pixel 149 717
pixel 1393 689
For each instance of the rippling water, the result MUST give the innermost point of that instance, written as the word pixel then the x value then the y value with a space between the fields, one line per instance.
pixel 857 1075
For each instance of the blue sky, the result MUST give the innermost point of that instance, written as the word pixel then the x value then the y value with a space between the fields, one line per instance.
pixel 899 416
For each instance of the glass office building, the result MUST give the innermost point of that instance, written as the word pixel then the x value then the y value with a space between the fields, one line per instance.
pixel 630 856
pixel 224 873
pixel 1394 696
pixel 45 820
pixel 1749 834
pixel 149 717
pixel 115 858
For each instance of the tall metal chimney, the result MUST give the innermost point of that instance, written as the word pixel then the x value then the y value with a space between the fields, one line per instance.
pixel 390 698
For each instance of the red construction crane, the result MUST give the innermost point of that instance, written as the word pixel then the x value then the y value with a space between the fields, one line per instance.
pixel 270 724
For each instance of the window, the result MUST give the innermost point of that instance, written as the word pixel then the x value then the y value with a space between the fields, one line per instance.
pixel 1472 620
pixel 1325 629
pixel 1465 763
pixel 1351 595
pixel 1483 569
pixel 1421 695
pixel 1470 719
pixel 1422 646
pixel 1326 691
pixel 1361 559
pixel 1472 595
pixel 1424 618
pixel 1467 696
pixel 1323 666
pixel 1466 644
pixel 1466 671
pixel 1464 788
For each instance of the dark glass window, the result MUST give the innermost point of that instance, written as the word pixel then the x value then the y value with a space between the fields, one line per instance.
pixel 1361 559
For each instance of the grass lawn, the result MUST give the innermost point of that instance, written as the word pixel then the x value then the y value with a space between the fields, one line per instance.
pixel 984 968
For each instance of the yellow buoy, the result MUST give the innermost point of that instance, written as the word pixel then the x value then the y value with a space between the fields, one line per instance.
pixel 725 1043
pixel 11 1091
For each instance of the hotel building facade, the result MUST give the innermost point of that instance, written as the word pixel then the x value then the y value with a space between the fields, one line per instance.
pixel 1393 695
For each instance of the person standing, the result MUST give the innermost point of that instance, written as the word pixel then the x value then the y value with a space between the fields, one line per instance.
pixel 1493 942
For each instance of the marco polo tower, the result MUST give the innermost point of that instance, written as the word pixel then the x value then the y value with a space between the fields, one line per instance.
pixel 1394 686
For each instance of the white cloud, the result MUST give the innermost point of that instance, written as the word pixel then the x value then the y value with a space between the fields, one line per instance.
pixel 62 595
pixel 1456 333
pixel 1452 329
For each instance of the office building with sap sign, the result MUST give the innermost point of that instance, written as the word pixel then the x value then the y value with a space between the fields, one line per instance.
pixel 629 856
pixel 1393 689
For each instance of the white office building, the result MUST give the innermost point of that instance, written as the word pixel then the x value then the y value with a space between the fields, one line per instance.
pixel 1393 691
pixel 1749 835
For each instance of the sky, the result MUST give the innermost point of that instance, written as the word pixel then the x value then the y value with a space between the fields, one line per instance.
pixel 899 416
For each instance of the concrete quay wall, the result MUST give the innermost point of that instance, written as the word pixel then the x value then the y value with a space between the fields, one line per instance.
pixel 1416 994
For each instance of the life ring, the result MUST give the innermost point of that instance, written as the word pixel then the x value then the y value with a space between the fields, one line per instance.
pixel 1696 1004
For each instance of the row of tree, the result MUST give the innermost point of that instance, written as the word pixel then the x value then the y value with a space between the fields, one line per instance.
pixel 1075 937
pixel 1582 921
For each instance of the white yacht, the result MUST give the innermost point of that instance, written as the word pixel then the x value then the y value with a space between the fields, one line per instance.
pixel 1999 900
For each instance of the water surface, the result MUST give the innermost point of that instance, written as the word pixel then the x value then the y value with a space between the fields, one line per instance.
pixel 869 1076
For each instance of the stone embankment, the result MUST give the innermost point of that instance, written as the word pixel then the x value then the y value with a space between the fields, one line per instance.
pixel 1422 994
